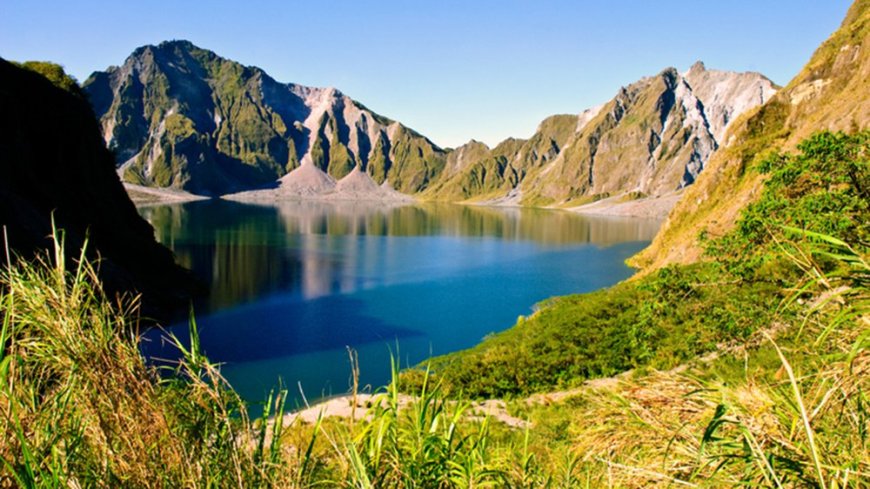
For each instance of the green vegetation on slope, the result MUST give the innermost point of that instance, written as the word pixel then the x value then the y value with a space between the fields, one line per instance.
pixel 486 173
pixel 55 74
pixel 783 412
pixel 664 318
pixel 416 162
pixel 341 162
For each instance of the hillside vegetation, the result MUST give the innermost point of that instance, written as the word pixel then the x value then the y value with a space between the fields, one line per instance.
pixel 830 93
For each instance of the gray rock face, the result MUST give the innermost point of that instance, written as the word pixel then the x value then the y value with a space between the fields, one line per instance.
pixel 652 138
pixel 726 94
pixel 179 116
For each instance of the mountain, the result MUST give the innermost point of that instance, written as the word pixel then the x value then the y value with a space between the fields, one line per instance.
pixel 830 93
pixel 654 137
pixel 182 117
pixel 475 171
pixel 179 116
pixel 70 178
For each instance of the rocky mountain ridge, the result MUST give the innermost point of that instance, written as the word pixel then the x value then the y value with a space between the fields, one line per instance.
pixel 181 117
pixel 653 138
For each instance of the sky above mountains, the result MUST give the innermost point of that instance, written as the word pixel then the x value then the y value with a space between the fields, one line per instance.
pixel 452 70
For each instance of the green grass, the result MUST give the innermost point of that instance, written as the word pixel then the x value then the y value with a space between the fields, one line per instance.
pixel 80 408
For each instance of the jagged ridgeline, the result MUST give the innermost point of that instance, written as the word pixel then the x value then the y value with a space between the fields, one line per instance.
pixel 183 117
pixel 179 116
pixel 653 138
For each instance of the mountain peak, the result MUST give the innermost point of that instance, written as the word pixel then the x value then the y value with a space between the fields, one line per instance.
pixel 671 77
pixel 177 43
pixel 698 66
pixel 163 46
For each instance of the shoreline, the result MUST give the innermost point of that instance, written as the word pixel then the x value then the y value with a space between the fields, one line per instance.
pixel 143 196
pixel 648 208
pixel 357 407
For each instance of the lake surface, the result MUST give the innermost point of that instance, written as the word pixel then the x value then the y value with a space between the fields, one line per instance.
pixel 294 285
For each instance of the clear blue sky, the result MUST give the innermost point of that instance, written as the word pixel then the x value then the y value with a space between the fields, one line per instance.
pixel 451 69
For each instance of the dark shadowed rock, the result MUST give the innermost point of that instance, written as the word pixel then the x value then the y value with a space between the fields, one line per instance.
pixel 53 162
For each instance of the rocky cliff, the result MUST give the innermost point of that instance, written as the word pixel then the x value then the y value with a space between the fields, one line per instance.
pixel 183 117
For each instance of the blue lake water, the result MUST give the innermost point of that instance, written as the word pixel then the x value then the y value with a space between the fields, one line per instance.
pixel 294 285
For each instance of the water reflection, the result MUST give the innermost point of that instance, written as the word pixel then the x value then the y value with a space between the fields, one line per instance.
pixel 247 251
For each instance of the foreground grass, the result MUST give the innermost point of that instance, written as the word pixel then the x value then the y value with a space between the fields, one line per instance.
pixel 787 407
pixel 80 408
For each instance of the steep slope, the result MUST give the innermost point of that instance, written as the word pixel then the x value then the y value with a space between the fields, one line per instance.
pixel 653 138
pixel 180 116
pixel 476 171
pixel 725 95
pixel 69 177
pixel 831 92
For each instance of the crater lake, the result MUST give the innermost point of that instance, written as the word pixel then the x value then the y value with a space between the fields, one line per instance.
pixel 294 285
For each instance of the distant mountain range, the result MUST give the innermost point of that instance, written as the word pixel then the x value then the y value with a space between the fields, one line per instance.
pixel 654 137
pixel 182 117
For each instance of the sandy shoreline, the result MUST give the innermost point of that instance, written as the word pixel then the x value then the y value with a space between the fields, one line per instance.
pixel 649 207
pixel 306 184
pixel 358 408
pixel 144 196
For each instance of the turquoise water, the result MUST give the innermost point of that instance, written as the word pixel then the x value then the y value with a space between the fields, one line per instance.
pixel 294 285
